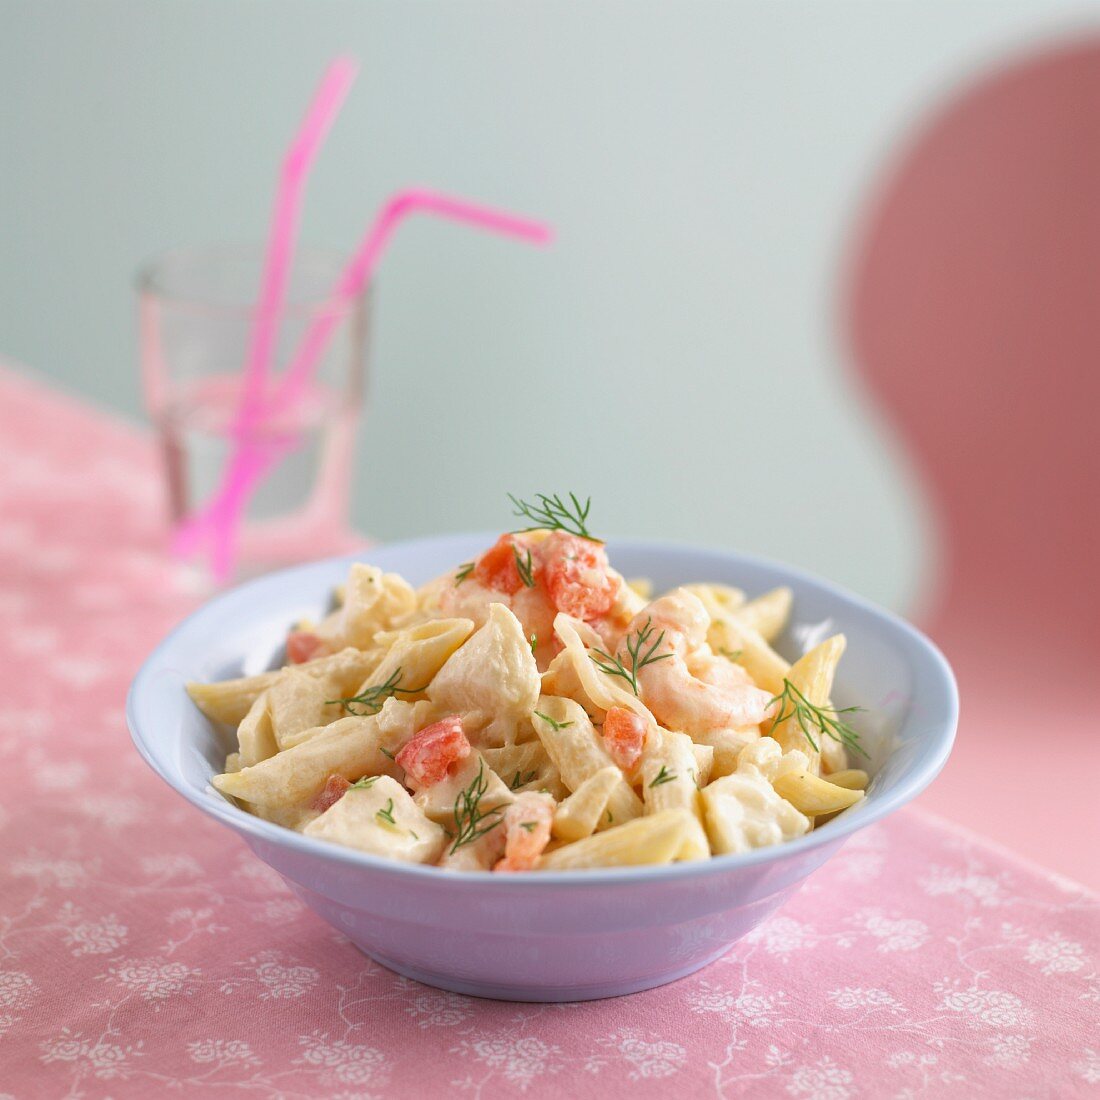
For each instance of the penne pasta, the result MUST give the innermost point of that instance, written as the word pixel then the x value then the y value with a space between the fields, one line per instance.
pixel 813 796
pixel 230 700
pixel 654 839
pixel 529 710
pixel 767 614
pixel 811 677
pixel 586 809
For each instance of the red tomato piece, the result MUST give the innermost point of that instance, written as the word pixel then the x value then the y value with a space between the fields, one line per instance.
pixel 303 645
pixel 336 786
pixel 623 736
pixel 578 576
pixel 496 568
pixel 429 755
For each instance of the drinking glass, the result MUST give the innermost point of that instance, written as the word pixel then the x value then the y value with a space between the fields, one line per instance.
pixel 196 313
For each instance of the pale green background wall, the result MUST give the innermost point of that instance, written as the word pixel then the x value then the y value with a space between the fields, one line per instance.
pixel 674 355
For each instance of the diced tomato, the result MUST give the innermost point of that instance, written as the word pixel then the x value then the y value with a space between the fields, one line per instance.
pixel 303 645
pixel 623 736
pixel 578 576
pixel 430 754
pixel 496 568
pixel 336 786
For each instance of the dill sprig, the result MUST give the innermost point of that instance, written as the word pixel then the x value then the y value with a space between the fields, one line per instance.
pixel 463 571
pixel 524 567
pixel 529 826
pixel 827 720
pixel 469 819
pixel 522 781
pixel 387 813
pixel 372 698
pixel 662 777
pixel 364 783
pixel 730 654
pixel 555 726
pixel 554 514
pixel 640 652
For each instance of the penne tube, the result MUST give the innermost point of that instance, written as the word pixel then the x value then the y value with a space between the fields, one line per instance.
pixel 654 839
pixel 578 751
pixel 767 614
pixel 230 700
pixel 255 737
pixel 852 779
pixel 350 747
pixel 812 677
pixel 585 809
pixel 813 796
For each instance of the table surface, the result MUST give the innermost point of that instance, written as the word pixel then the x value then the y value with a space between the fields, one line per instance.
pixel 142 947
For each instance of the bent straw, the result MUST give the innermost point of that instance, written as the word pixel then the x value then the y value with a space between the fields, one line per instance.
pixel 250 463
pixel 296 165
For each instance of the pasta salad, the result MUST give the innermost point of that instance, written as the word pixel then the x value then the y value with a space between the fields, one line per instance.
pixel 534 710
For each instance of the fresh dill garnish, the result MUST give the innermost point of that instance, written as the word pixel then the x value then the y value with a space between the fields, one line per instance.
pixel 386 752
pixel 529 826
pixel 387 813
pixel 827 720
pixel 522 781
pixel 365 783
pixel 412 833
pixel 640 656
pixel 663 776
pixel 555 726
pixel 610 817
pixel 731 654
pixel 524 566
pixel 469 819
pixel 372 698
pixel 554 514
pixel 463 571
pixel 534 640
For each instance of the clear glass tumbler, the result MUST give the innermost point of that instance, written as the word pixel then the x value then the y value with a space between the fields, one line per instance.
pixel 197 309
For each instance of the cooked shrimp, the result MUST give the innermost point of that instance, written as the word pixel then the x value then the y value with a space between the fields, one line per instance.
pixel 577 575
pixel 678 699
pixel 527 824
pixel 535 576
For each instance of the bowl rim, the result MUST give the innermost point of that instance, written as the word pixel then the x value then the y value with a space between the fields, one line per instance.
pixel 255 828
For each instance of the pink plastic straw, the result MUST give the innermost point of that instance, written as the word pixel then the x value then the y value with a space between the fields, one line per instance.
pixel 250 463
pixel 297 162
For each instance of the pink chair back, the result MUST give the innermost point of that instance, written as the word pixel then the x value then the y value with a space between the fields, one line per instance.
pixel 974 316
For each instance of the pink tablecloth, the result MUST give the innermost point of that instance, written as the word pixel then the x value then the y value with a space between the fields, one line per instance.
pixel 145 952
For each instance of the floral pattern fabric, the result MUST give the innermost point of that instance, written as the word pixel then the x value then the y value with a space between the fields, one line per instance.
pixel 145 952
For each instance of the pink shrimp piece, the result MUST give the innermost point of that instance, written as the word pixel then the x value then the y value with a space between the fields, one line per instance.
pixel 624 736
pixel 336 786
pixel 578 576
pixel 429 755
pixel 679 699
pixel 304 645
pixel 527 831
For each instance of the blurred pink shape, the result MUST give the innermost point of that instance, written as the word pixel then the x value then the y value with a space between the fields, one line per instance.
pixel 975 320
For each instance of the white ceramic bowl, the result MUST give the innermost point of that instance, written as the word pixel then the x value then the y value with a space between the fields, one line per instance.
pixel 552 936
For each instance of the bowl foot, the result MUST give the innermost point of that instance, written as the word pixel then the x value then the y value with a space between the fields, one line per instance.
pixel 495 992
